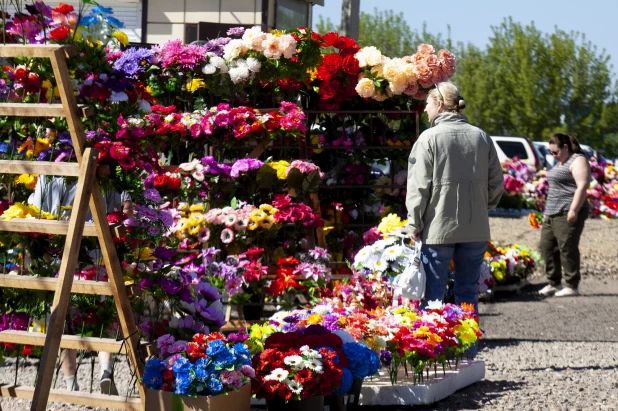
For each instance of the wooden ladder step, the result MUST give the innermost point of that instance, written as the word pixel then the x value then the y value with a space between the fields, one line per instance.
pixel 41 110
pixel 35 225
pixel 49 284
pixel 73 342
pixel 235 325
pixel 39 167
pixel 75 397
pixel 40 51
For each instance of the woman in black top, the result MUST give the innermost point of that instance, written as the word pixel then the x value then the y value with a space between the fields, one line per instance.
pixel 566 210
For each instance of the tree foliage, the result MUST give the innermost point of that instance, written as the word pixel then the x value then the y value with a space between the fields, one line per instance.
pixel 528 83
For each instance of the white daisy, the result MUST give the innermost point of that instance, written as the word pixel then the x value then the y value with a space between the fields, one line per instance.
pixel 380 265
pixel 295 386
pixel 435 305
pixel 278 374
pixel 314 365
pixel 362 255
pixel 309 353
pixel 294 361
pixel 391 253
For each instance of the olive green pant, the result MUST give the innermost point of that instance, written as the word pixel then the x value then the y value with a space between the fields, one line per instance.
pixel 560 248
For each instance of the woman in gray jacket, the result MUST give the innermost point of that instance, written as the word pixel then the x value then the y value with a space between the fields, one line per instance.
pixel 454 178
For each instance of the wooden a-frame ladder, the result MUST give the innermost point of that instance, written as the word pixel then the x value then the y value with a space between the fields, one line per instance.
pixel 88 194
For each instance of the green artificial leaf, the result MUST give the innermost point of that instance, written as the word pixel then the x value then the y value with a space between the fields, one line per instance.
pixel 295 179
pixel 177 404
pixel 234 202
pixel 266 176
pixel 311 184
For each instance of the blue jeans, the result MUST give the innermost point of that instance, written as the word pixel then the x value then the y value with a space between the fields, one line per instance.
pixel 468 259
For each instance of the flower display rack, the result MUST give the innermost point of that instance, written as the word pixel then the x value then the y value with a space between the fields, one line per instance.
pixel 88 194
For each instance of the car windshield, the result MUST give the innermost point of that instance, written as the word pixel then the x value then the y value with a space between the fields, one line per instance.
pixel 513 149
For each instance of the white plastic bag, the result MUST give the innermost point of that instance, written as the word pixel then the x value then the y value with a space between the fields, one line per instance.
pixel 410 284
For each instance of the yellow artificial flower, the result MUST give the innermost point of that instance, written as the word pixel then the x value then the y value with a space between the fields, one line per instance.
pixel 41 145
pixel 266 207
pixel 253 226
pixel 21 210
pixel 195 84
pixel 257 215
pixel 314 319
pixel 280 167
pixel 196 207
pixel 390 223
pixel 267 222
pixel 144 254
pixel 29 180
pixel 25 145
pixel 121 37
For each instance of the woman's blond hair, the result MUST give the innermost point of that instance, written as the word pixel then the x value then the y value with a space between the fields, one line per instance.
pixel 447 94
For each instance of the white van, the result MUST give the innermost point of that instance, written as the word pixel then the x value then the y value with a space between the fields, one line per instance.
pixel 520 147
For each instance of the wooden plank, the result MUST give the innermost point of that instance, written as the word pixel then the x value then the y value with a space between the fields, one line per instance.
pixel 39 167
pixel 34 225
pixel 235 325
pixel 49 284
pixel 88 167
pixel 41 110
pixel 126 316
pixel 76 397
pixel 38 50
pixel 71 111
pixel 72 342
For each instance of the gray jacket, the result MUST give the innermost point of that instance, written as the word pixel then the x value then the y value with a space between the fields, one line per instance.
pixel 454 178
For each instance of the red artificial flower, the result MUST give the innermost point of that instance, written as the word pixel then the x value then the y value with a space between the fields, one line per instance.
pixel 162 109
pixel 324 74
pixel 350 65
pixel 20 74
pixel 252 252
pixel 118 151
pixel 330 39
pixel 287 261
pixel 27 350
pixel 216 336
pixel 64 8
pixel 344 43
pixel 289 84
pixel 329 89
pixel 115 217
pixel 332 63
pixel 200 338
pixel 60 33
pixel 316 37
pixel 282 201
pixel 303 376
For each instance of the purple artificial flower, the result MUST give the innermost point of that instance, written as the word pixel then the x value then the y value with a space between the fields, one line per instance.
pixel 240 336
pixel 146 283
pixel 386 358
pixel 131 63
pixel 207 290
pixel 164 253
pixel 170 286
pixel 236 31
pixel 153 195
pixel 185 295
pixel 166 218
pixel 20 321
pixel 248 371
pixel 245 165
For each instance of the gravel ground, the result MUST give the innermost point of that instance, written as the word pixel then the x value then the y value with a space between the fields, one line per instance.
pixel 541 354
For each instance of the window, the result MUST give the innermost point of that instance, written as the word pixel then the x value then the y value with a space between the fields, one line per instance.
pixel 190 33
pixel 513 149
pixel 292 14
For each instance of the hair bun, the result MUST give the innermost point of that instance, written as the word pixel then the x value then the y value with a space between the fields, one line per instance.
pixel 461 103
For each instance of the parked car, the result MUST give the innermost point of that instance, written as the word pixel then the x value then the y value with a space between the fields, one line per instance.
pixel 543 147
pixel 520 147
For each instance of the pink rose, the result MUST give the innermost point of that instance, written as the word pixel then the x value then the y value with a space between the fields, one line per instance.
pixel 447 62
pixel 432 62
pixel 425 49
pixel 423 74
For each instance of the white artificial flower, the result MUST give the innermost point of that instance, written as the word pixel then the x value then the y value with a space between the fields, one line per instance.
pixel 253 38
pixel 369 56
pixel 295 386
pixel 233 49
pixel 435 305
pixel 238 74
pixel 278 374
pixel 362 256
pixel 270 47
pixel 254 64
pixel 209 69
pixel 314 365
pixel 294 361
pixel 380 265
pixel 321 309
pixel 392 252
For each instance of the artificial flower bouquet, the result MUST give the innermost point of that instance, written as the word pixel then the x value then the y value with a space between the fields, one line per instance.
pixel 212 368
pixel 511 264
pixel 299 365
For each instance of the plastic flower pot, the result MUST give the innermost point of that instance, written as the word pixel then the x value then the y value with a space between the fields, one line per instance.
pixel 308 404
pixel 164 401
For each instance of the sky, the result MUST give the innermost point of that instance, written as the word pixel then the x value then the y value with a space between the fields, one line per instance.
pixel 471 20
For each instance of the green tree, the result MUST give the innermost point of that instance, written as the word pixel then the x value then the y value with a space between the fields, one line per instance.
pixel 528 83
pixel 390 32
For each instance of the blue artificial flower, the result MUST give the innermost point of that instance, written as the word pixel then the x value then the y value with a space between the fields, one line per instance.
pixel 224 360
pixel 215 348
pixel 204 369
pixel 102 10
pixel 182 365
pixel 214 385
pixel 183 382
pixel 243 355
pixel 114 22
pixel 362 361
pixel 346 382
pixel 153 376
pixel 4 147
pixel 86 21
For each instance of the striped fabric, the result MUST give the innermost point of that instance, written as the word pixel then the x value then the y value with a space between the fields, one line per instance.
pixel 562 188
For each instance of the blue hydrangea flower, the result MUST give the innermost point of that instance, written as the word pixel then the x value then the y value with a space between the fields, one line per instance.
pixel 224 359
pixel 183 383
pixel 346 382
pixel 182 365
pixel 243 355
pixel 362 361
pixel 215 348
pixel 204 369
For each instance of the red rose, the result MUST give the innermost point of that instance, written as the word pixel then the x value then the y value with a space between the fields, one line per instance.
pixel 324 74
pixel 60 33
pixel 346 43
pixel 350 65
pixel 330 39
pixel 329 89
pixel 316 37
pixel 162 109
pixel 63 8
pixel 332 62
pixel 20 74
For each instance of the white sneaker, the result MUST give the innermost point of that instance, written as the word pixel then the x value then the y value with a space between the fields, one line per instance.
pixel 549 290
pixel 567 292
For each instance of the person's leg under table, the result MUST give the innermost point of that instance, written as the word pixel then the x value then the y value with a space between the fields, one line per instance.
pixel 436 259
